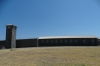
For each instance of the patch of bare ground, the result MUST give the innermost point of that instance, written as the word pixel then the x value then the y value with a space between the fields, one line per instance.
pixel 51 56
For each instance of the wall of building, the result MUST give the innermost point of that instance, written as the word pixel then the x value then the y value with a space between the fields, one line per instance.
pixel 21 43
pixel 2 44
pixel 53 42
pixel 26 43
pixel 69 42
pixel 99 42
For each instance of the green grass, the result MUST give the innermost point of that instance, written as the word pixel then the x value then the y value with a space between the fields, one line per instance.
pixel 61 56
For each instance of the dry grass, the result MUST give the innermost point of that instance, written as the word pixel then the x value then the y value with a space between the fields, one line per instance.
pixel 61 56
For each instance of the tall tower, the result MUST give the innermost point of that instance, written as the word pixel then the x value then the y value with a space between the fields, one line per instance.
pixel 10 36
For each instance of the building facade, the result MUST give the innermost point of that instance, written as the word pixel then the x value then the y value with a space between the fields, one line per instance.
pixel 11 41
pixel 54 41
pixel 68 41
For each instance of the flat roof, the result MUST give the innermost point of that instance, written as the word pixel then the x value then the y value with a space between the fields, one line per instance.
pixel 53 37
pixel 10 25
pixel 26 39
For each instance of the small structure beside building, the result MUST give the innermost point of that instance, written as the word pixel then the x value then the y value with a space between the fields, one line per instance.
pixel 10 36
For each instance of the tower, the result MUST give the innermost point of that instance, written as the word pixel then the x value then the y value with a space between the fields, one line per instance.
pixel 10 36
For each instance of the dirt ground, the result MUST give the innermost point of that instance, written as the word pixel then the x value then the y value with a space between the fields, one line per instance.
pixel 51 56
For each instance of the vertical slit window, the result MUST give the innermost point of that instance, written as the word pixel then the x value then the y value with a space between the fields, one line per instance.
pixel 51 41
pixel 84 41
pixel 66 41
pixel 42 41
pixel 47 41
pixel 76 41
pixel 61 41
pixel 56 41
pixel 93 41
pixel 71 41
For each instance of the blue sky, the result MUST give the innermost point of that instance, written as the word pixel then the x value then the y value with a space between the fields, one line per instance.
pixel 36 18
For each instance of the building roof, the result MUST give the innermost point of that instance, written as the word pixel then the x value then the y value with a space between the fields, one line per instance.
pixel 53 37
pixel 10 25
pixel 26 39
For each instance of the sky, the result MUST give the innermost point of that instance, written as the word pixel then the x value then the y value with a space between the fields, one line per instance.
pixel 35 18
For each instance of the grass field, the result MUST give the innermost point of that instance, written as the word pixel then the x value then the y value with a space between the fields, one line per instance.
pixel 51 56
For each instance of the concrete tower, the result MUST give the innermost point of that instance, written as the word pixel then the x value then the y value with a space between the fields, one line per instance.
pixel 10 36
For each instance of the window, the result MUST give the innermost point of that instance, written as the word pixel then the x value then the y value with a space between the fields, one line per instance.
pixel 76 40
pixel 56 41
pixel 47 41
pixel 84 41
pixel 51 41
pixel 93 41
pixel 42 41
pixel 71 41
pixel 61 41
pixel 66 41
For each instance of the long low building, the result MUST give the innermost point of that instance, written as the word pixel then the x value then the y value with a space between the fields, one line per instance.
pixel 54 41
pixel 68 41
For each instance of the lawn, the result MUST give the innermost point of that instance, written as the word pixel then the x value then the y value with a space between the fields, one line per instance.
pixel 51 56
